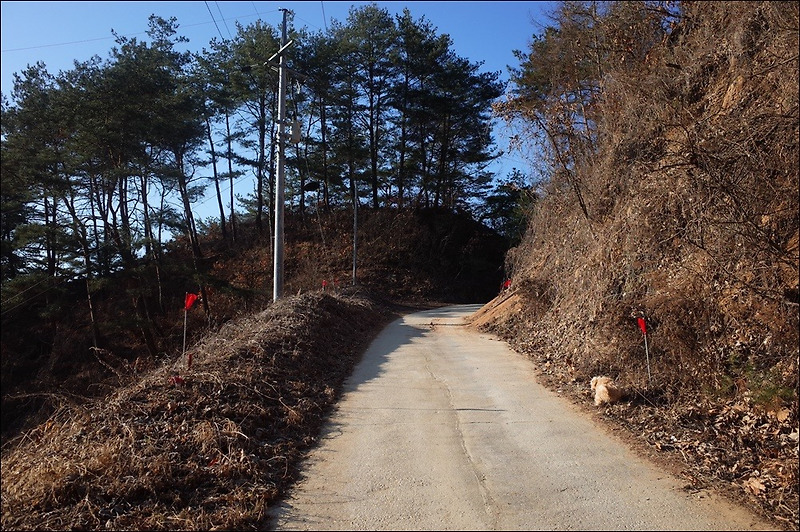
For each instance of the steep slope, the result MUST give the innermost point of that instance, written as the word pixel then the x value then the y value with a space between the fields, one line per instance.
pixel 690 222
pixel 421 257
pixel 201 443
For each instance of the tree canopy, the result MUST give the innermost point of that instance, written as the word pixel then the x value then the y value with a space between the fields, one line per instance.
pixel 105 162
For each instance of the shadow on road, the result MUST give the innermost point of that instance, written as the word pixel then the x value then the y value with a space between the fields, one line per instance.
pixel 401 332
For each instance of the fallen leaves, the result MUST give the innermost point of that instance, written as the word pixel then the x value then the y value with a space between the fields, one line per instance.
pixel 733 442
pixel 781 415
pixel 209 448
pixel 754 485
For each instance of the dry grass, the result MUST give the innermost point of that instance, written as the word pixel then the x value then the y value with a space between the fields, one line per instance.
pixel 201 448
pixel 692 202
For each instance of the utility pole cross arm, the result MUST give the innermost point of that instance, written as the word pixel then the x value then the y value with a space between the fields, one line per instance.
pixel 279 52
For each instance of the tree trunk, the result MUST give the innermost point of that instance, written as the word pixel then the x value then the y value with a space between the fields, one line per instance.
pixel 197 254
pixel 216 180
pixel 230 172
pixel 325 177
pixel 262 146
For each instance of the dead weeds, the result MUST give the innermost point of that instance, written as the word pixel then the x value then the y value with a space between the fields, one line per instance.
pixel 206 445
pixel 680 208
pixel 735 445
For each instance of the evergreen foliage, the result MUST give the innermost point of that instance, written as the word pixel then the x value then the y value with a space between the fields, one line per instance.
pixel 109 159
pixel 104 167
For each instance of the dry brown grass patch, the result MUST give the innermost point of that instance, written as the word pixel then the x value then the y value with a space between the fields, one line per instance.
pixel 208 450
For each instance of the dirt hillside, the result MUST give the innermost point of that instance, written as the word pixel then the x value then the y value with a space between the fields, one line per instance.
pixel 116 438
pixel 206 443
pixel 689 221
pixel 421 257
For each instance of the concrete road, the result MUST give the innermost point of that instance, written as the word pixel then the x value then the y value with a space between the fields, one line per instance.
pixel 444 428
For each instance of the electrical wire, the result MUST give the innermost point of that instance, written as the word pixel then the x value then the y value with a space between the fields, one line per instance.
pixel 212 197
pixel 215 21
pixel 223 20
pixel 307 22
pixel 71 42
pixel 127 34
pixel 40 294
pixel 31 287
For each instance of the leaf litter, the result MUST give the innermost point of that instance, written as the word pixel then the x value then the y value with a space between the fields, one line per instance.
pixel 201 445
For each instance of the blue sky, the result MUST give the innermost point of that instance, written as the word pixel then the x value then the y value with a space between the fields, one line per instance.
pixel 57 33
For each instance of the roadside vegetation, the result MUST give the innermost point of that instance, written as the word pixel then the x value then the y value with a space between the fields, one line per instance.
pixel 666 139
pixel 206 444
pixel 670 134
pixel 105 167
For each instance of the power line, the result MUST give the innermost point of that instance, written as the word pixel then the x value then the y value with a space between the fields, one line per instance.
pixel 223 19
pixel 215 21
pixel 35 296
pixel 6 311
pixel 7 301
pixel 307 22
pixel 324 18
pixel 68 43
pixel 228 185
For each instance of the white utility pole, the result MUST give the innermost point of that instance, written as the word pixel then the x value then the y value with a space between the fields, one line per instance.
pixel 277 280
pixel 355 228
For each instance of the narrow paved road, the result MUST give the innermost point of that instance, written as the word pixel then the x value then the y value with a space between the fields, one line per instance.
pixel 444 428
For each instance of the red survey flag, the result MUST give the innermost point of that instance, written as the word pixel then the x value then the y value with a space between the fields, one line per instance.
pixel 642 325
pixel 190 299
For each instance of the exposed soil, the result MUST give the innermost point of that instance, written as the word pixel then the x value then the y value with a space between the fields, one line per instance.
pixel 684 216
